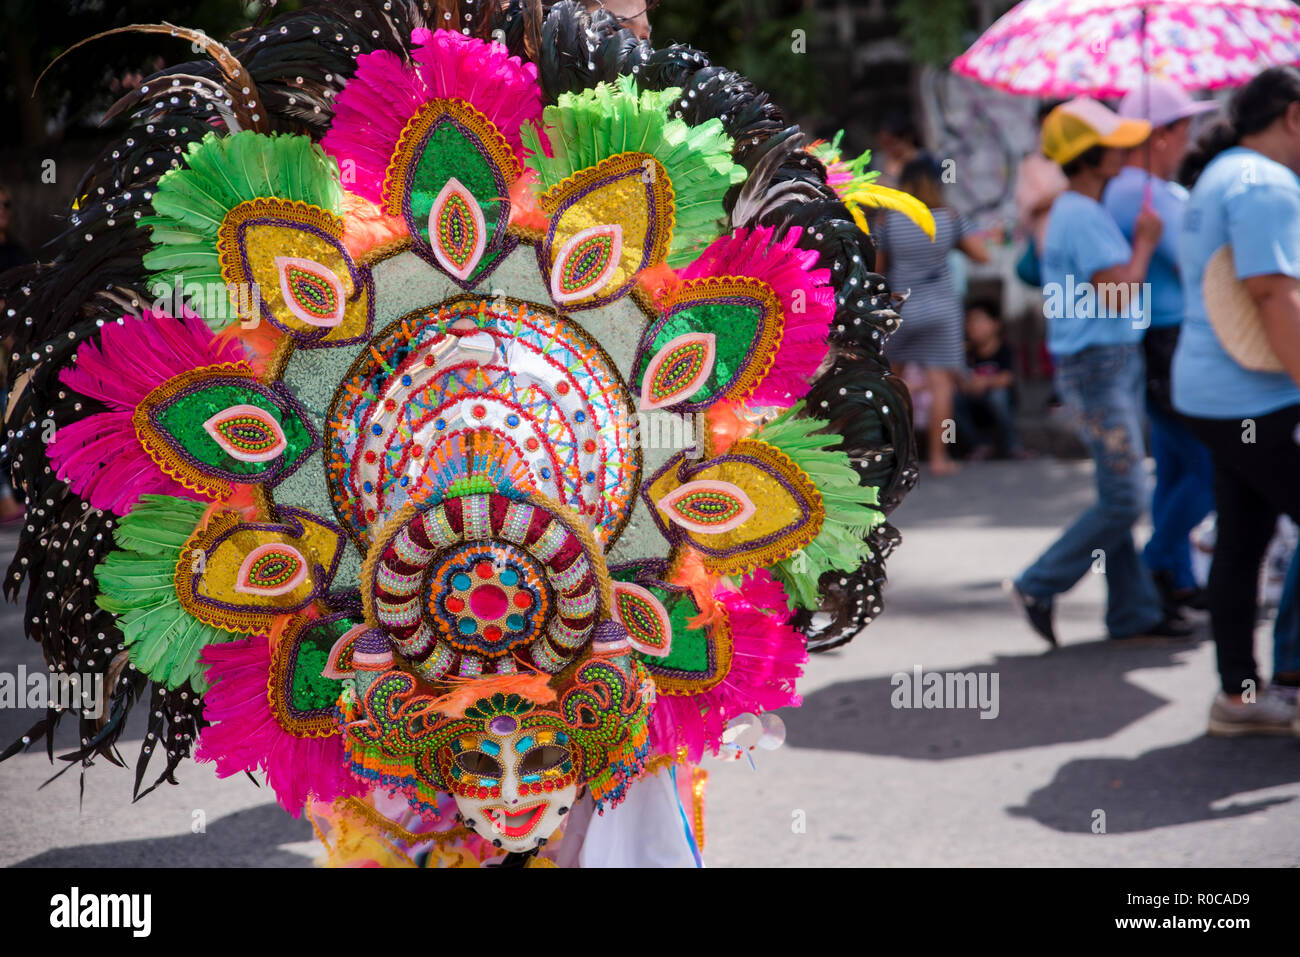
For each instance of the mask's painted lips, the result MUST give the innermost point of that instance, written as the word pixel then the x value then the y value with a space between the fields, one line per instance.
pixel 518 822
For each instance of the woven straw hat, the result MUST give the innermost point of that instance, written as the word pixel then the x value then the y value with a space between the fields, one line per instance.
pixel 1234 315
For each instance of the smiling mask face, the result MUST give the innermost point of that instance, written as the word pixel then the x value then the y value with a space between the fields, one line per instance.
pixel 514 784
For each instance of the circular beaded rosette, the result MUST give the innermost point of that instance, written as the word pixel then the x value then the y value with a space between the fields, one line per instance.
pixel 459 432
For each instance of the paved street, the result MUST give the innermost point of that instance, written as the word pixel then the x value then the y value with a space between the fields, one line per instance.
pixel 1085 729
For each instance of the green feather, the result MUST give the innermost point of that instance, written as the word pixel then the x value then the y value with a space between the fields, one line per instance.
pixel 220 172
pixel 137 583
pixel 612 118
pixel 840 545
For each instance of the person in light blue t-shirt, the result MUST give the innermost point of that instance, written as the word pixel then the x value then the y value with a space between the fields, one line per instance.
pixel 1184 490
pixel 1094 307
pixel 1085 285
pixel 1246 197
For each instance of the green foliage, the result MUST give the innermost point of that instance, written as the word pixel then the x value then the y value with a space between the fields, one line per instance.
pixel 933 28
pixel 756 38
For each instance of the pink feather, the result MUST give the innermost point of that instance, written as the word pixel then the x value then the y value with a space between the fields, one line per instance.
pixel 386 92
pixel 99 456
pixel 244 735
pixel 767 655
pixel 807 299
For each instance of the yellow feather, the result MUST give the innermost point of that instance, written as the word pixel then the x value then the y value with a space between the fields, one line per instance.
pixel 871 196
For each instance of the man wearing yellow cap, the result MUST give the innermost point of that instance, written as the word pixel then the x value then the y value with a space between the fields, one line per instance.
pixel 1093 301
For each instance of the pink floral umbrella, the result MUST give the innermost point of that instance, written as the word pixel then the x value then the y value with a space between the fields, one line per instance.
pixel 1103 48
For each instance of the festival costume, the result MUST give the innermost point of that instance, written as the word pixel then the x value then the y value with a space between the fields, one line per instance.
pixel 456 416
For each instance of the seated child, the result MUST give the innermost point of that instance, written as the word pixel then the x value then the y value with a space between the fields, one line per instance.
pixel 985 409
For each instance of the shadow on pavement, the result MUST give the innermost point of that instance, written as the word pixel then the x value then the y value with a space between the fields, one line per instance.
pixel 249 838
pixel 1167 786
pixel 1076 693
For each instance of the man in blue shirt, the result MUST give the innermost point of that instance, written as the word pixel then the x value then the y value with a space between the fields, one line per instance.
pixel 1097 312
pixel 1184 492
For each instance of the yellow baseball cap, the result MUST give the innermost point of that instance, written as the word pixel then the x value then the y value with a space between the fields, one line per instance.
pixel 1075 127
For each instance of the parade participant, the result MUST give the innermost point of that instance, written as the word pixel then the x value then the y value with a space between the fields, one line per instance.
pixel 1091 286
pixel 1184 490
pixel 1244 216
pixel 445 448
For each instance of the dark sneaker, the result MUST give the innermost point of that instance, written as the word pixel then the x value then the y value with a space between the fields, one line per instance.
pixel 1037 610
pixel 1175 599
pixel 1271 713
pixel 1194 598
pixel 1171 629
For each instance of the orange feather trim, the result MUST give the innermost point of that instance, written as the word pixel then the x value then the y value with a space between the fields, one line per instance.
pixel 689 572
pixel 258 342
pixel 367 227
pixel 728 426
pixel 242 500
pixel 532 687
pixel 659 282
pixel 525 212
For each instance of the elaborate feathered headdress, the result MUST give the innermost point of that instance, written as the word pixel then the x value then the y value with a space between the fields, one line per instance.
pixel 403 380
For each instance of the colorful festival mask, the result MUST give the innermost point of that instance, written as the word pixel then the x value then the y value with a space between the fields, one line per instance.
pixel 456 443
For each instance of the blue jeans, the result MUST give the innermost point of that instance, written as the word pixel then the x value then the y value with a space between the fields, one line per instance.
pixel 1183 496
pixel 1102 387
pixel 1286 627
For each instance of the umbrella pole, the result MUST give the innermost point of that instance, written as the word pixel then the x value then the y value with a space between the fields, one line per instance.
pixel 1146 101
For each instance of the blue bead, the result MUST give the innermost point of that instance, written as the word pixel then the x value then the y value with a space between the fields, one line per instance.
pixel 489 747
pixel 512 420
pixel 580 416
pixel 545 473
pixel 461 582
pixel 509 577
pixel 591 478
pixel 368 486
pixel 524 744
pixel 467 626
pixel 377 429
pixel 406 380
pixel 515 622
pixel 440 424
